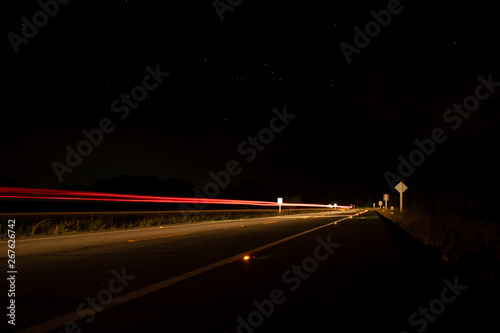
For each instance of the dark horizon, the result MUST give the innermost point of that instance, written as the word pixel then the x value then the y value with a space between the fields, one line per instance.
pixel 173 91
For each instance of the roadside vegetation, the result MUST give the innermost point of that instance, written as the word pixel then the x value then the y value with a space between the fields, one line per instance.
pixel 44 225
pixel 468 241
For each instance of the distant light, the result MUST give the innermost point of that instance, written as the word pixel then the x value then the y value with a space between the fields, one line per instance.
pixel 246 258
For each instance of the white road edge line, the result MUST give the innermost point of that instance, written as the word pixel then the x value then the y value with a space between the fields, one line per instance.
pixel 55 323
pixel 150 228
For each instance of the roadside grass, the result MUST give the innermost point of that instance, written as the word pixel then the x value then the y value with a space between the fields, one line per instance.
pixel 67 224
pixel 465 240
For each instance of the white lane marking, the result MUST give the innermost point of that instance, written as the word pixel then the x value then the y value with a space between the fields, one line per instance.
pixel 156 237
pixel 144 229
pixel 55 323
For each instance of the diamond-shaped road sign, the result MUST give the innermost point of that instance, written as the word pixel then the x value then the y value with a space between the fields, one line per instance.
pixel 401 187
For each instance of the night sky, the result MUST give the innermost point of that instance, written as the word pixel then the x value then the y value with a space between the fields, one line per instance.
pixel 225 78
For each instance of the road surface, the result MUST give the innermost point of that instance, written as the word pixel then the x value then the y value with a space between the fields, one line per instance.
pixel 320 272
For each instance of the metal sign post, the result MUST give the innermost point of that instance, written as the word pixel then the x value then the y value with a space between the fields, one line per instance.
pixel 386 198
pixel 280 202
pixel 401 188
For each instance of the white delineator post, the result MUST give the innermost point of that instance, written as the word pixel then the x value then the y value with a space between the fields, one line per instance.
pixel 401 188
pixel 280 202
pixel 386 198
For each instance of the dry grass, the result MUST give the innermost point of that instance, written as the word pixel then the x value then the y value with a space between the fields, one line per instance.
pixel 455 234
pixel 28 227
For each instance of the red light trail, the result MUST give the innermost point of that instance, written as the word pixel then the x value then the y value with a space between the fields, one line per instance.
pixel 45 194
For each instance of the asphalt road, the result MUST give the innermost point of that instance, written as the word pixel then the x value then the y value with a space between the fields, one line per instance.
pixel 321 272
